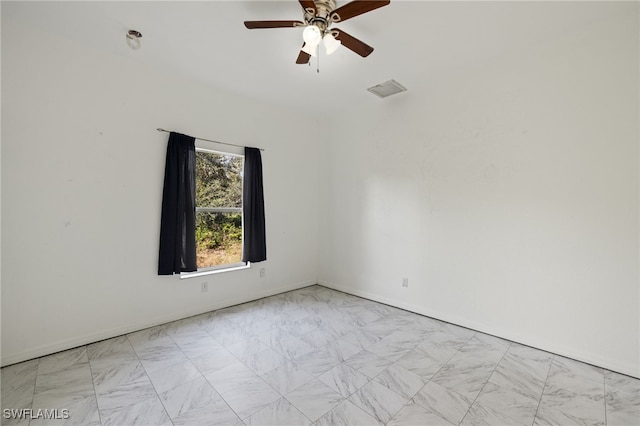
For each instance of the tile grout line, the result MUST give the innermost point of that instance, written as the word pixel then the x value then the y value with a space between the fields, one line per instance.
pixel 224 346
pixel 311 423
pixel 319 417
pixel 93 383
pixel 445 364
pixel 432 376
pixel 546 380
pixel 343 362
pixel 35 381
pixel 372 379
pixel 488 378
pixel 205 377
pixel 604 388
pixel 287 360
pixel 149 378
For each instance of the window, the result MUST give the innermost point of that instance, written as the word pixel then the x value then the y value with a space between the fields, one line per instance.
pixel 219 233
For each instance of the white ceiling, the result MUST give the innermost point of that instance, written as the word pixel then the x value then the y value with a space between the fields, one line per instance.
pixel 417 43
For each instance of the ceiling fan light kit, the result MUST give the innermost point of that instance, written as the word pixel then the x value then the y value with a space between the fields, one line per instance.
pixel 330 43
pixel 318 17
pixel 311 35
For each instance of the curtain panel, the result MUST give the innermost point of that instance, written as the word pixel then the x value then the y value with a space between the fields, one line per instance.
pixel 255 245
pixel 178 221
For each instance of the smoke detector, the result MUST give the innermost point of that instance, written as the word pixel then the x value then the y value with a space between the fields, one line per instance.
pixel 387 88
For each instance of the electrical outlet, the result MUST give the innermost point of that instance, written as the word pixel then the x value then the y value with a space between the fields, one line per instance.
pixel 263 272
pixel 405 282
pixel 204 287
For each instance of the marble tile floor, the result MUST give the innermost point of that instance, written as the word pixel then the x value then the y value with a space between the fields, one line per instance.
pixel 315 356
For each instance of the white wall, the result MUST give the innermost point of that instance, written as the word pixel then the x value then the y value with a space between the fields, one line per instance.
pixel 508 196
pixel 82 170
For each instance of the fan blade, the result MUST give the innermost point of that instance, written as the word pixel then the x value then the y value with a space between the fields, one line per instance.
pixel 303 57
pixel 350 42
pixel 355 8
pixel 252 25
pixel 308 4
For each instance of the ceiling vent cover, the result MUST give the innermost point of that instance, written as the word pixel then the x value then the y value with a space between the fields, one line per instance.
pixel 387 88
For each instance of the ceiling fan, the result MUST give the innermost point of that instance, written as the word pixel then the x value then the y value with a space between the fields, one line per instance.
pixel 319 15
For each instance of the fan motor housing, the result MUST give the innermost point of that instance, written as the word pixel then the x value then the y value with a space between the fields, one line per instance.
pixel 321 18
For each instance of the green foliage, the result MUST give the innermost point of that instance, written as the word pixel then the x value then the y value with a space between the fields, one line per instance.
pixel 218 230
pixel 218 180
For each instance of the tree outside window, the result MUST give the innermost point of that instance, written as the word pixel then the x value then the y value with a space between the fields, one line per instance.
pixel 218 209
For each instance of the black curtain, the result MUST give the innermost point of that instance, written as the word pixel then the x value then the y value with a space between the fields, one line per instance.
pixel 255 244
pixel 178 222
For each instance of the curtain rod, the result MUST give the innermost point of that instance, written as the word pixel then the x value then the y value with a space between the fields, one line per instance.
pixel 209 140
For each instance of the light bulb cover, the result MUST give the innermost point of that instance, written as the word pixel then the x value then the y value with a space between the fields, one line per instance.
pixel 330 43
pixel 311 35
pixel 310 49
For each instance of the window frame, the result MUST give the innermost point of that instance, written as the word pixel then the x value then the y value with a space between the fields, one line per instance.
pixel 211 148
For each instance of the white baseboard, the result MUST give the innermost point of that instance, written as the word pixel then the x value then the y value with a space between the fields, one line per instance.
pixel 86 339
pixel 552 347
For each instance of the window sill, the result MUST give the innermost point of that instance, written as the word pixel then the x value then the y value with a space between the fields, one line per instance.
pixel 185 275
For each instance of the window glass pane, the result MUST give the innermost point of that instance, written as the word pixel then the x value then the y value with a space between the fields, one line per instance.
pixel 218 185
pixel 218 180
pixel 218 238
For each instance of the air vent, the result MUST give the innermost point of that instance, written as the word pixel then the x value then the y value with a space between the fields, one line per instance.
pixel 387 88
